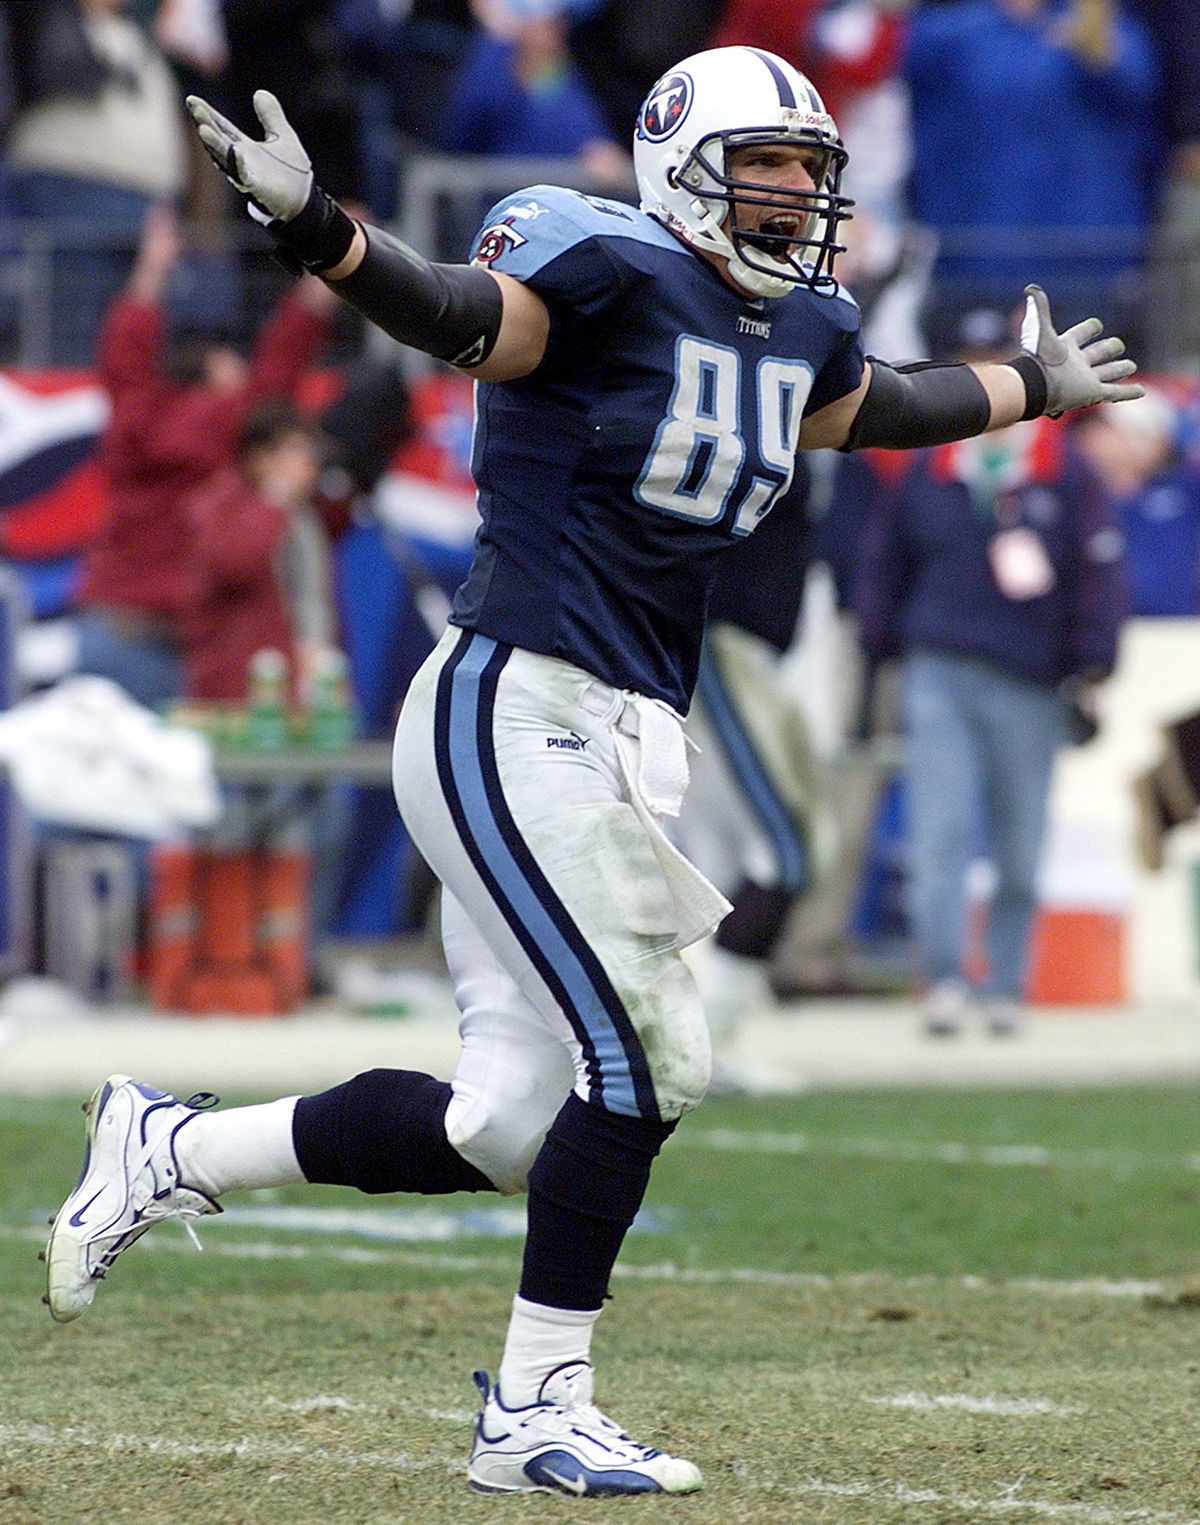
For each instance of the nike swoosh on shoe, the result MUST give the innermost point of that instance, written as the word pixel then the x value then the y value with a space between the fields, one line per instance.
pixel 567 1484
pixel 76 1218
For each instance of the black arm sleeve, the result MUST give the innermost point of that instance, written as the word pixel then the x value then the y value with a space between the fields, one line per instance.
pixel 450 311
pixel 924 403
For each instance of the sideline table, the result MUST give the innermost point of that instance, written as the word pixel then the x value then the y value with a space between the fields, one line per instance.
pixel 363 762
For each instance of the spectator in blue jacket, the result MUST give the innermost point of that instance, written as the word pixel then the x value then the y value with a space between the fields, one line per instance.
pixel 1174 315
pixel 519 91
pixel 1155 493
pixel 994 570
pixel 1037 152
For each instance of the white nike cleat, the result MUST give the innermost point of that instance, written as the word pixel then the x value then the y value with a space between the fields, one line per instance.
pixel 129 1181
pixel 564 1444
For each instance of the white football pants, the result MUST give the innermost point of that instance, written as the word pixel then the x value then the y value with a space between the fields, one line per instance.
pixel 563 911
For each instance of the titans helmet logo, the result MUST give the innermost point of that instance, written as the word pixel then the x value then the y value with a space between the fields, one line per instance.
pixel 666 107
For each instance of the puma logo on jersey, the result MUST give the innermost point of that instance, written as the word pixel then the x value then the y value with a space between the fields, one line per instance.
pixel 529 210
pixel 571 743
pixel 757 326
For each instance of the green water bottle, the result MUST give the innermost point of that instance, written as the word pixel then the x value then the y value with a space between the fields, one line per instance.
pixel 331 721
pixel 267 701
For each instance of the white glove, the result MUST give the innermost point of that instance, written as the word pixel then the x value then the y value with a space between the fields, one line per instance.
pixel 276 174
pixel 1081 368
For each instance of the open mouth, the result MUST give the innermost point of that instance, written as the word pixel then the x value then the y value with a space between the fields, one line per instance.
pixel 779 234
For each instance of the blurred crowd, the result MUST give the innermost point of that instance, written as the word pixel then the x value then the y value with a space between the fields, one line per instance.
pixel 992 143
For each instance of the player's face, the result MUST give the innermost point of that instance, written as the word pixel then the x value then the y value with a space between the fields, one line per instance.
pixel 790 167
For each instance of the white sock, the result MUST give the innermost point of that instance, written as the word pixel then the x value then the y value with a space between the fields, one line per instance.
pixel 540 1340
pixel 239 1149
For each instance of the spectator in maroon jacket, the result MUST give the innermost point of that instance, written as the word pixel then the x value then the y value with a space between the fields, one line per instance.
pixel 258 574
pixel 175 421
pixel 257 565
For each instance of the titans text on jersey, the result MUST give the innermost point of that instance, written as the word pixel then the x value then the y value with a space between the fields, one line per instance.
pixel 659 429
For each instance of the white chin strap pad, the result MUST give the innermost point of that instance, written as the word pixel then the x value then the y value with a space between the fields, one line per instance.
pixel 758 281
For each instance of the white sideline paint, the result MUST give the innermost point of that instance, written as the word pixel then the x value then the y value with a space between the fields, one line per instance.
pixel 325 1402
pixel 332 1403
pixel 415 1225
pixel 667 1271
pixel 452 1416
pixel 1008 1408
pixel 244 1449
pixel 1008 1501
pixel 403 1225
pixel 1001 1156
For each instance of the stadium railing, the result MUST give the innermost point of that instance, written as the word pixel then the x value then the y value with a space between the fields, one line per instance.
pixel 442 200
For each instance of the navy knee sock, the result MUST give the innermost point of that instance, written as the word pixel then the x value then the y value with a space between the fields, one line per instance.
pixel 585 1188
pixel 382 1131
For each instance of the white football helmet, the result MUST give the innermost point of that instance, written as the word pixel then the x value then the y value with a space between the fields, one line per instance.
pixel 728 98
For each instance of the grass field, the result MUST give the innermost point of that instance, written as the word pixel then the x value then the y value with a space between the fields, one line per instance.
pixel 847 1308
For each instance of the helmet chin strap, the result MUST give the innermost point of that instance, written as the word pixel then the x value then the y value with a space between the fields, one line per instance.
pixel 758 282
pixel 712 239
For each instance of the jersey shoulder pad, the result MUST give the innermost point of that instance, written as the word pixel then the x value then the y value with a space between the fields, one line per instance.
pixel 527 230
pixel 839 307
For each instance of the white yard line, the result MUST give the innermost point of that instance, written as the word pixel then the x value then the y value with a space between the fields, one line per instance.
pixel 909 1151
pixel 1009 1500
pixel 61 1438
pixel 327 1403
pixel 664 1271
pixel 332 1403
pixel 1005 1408
pixel 405 1225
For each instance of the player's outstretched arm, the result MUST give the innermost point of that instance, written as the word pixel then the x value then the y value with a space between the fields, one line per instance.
pixel 909 406
pixel 489 325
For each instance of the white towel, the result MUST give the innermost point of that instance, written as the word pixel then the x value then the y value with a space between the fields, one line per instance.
pixel 652 747
pixel 85 754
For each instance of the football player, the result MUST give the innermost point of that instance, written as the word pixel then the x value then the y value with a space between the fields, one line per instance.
pixel 646 376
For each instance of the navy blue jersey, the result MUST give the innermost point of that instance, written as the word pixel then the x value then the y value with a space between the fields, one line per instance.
pixel 759 586
pixel 658 429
